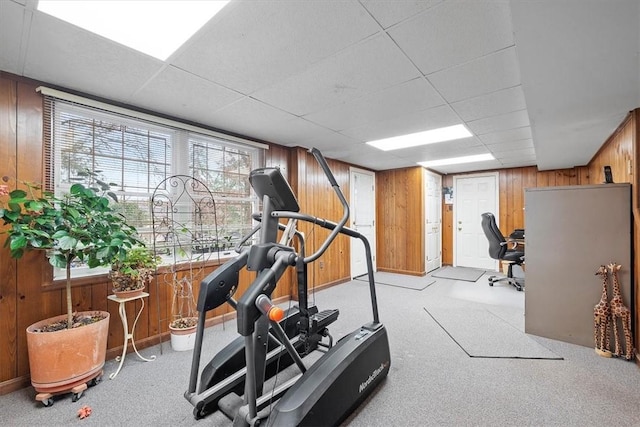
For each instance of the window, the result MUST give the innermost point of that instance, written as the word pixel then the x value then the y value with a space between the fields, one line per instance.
pixel 225 170
pixel 135 155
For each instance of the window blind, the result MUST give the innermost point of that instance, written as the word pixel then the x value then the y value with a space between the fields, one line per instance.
pixel 134 155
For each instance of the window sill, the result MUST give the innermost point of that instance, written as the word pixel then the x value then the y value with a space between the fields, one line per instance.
pixel 92 278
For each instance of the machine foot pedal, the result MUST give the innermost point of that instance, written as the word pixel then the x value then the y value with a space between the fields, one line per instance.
pixel 230 404
pixel 324 318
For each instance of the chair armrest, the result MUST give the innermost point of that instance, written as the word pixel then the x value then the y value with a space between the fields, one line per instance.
pixel 509 242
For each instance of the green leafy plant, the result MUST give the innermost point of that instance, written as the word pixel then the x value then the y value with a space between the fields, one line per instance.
pixel 134 270
pixel 78 226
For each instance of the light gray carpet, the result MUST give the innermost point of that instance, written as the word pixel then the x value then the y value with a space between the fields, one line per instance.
pixel 431 381
pixel 481 332
pixel 458 273
pixel 417 283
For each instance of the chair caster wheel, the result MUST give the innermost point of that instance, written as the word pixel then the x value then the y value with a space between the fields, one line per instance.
pixel 47 402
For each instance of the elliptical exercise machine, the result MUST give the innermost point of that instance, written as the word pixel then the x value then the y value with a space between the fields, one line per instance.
pixel 324 393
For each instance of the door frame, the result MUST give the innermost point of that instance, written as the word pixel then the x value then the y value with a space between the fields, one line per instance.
pixel 352 170
pixel 455 208
pixel 426 213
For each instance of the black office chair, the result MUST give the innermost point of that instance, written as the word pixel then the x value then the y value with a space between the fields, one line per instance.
pixel 499 250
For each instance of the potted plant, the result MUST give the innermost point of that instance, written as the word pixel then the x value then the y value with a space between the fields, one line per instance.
pixel 184 317
pixel 131 273
pixel 79 226
pixel 183 333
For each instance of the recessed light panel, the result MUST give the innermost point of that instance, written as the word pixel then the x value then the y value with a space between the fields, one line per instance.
pixel 157 28
pixel 458 160
pixel 432 136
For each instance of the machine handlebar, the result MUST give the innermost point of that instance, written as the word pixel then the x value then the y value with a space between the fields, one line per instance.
pixel 345 207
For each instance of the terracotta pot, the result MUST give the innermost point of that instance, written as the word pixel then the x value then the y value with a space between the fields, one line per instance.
pixel 128 294
pixel 63 359
pixel 131 287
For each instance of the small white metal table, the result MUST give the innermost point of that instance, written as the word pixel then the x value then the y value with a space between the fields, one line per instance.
pixel 128 335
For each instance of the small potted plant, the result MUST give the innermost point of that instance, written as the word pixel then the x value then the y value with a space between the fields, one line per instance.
pixel 184 316
pixel 183 333
pixel 80 225
pixel 133 271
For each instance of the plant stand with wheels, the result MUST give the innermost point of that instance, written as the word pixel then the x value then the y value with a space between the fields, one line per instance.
pixel 128 335
pixel 67 373
pixel 46 397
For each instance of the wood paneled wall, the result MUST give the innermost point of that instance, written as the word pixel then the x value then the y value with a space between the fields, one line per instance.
pixel 318 198
pixel 20 283
pixel 617 152
pixel 400 217
pixel 24 300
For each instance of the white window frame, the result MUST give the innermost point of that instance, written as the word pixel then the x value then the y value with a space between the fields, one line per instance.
pixel 181 135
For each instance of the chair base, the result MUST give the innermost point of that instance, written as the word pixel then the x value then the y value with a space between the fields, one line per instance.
pixel 512 281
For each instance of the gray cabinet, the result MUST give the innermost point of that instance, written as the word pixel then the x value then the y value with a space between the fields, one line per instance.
pixel 570 232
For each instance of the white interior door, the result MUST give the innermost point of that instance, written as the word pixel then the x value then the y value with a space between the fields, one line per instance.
pixel 363 218
pixel 473 195
pixel 433 220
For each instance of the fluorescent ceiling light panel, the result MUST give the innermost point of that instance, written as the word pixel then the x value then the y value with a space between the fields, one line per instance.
pixel 458 160
pixel 157 28
pixel 432 136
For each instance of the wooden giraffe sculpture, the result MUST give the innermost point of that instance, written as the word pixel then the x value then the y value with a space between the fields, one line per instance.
pixel 619 310
pixel 602 317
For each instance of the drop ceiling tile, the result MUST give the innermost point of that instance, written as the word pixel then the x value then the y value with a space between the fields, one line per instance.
pixel 329 140
pixel 454 33
pixel 264 118
pixel 11 23
pixel 520 163
pixel 408 97
pixel 256 44
pixel 350 148
pixel 516 119
pixel 367 67
pixel 506 136
pixel 478 77
pixel 580 70
pixel 360 156
pixel 460 147
pixel 524 153
pixel 389 13
pixel 447 153
pixel 491 104
pixel 409 123
pixel 468 167
pixel 296 131
pixel 267 123
pixel 90 63
pixel 511 146
pixel 176 92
